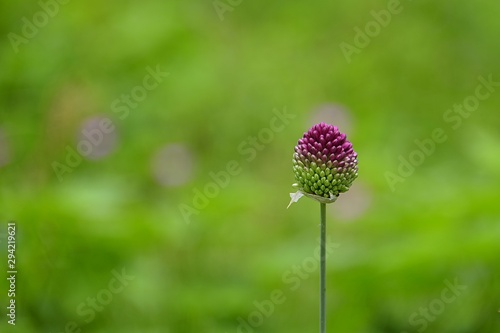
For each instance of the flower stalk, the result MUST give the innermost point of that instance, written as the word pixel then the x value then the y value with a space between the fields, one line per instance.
pixel 322 276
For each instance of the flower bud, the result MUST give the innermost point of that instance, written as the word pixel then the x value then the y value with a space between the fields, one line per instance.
pixel 324 162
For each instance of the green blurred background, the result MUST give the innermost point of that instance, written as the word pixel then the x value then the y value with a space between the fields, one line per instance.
pixel 123 206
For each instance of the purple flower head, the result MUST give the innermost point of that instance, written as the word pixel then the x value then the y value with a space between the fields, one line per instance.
pixel 324 162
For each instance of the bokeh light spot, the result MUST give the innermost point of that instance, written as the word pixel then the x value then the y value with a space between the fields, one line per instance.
pixel 352 204
pixel 172 165
pixel 97 138
pixel 333 114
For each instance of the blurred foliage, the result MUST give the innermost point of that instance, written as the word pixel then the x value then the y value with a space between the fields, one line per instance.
pixel 396 248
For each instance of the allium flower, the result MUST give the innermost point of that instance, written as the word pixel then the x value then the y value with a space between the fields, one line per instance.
pixel 324 163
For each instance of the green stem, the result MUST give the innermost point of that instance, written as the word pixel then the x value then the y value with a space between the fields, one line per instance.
pixel 322 277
